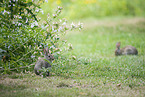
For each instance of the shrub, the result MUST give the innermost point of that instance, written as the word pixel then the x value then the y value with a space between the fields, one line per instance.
pixel 23 37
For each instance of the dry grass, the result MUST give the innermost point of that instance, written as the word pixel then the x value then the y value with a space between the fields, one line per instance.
pixel 55 85
pixel 90 23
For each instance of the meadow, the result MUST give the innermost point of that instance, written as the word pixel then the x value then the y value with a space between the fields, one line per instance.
pixel 86 66
pixel 91 68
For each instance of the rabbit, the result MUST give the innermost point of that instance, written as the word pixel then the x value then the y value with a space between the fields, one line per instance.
pixel 42 63
pixel 128 50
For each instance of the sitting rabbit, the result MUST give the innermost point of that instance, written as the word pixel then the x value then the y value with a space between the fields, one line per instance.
pixel 128 50
pixel 42 63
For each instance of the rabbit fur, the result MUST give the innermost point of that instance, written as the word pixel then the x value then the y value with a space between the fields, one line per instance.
pixel 42 63
pixel 127 50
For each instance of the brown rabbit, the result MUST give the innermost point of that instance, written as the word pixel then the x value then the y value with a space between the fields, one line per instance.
pixel 128 50
pixel 42 63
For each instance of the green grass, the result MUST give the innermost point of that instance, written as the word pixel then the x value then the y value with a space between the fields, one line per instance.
pixel 95 71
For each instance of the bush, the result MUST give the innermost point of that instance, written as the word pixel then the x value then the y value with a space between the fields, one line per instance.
pixel 23 37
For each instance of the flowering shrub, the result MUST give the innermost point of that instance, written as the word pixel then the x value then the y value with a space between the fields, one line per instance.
pixel 23 37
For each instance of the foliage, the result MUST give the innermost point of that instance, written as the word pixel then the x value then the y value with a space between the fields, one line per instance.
pixel 76 9
pixel 23 37
pixel 17 36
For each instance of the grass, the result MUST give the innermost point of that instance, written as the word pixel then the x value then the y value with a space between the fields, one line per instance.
pixel 91 68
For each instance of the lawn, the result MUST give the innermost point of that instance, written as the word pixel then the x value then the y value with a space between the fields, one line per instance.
pixel 91 68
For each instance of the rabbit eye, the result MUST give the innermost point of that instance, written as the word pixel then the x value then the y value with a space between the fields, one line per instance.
pixel 49 56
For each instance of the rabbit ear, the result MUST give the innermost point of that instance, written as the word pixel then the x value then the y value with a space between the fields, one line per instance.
pixel 118 44
pixel 45 51
pixel 49 51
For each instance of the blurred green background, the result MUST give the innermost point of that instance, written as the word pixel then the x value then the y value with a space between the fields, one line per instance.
pixel 76 9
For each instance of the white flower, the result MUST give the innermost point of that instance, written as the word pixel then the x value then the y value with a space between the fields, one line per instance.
pixel 32 25
pixel 60 29
pixel 20 17
pixel 4 11
pixel 9 5
pixel 42 12
pixel 19 24
pixel 37 10
pixel 72 24
pixel 27 21
pixel 36 23
pixel 52 28
pixel 53 14
pixel 80 25
pixel 32 56
pixel 64 23
pixel 55 31
pixel 60 20
pixel 13 22
pixel 8 12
